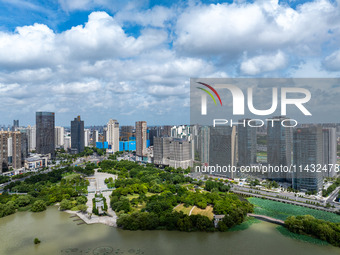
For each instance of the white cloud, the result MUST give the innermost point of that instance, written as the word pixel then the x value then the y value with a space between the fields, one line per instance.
pixel 263 63
pixel 155 17
pixel 28 46
pixel 72 5
pixel 98 69
pixel 332 62
pixel 230 29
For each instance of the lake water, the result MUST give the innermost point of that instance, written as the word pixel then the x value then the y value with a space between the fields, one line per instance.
pixel 59 234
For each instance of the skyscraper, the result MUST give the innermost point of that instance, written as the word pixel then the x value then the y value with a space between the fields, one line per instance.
pixel 246 144
pixel 112 134
pixel 45 133
pixel 31 137
pixel 161 150
pixel 15 124
pixel 16 150
pixel 141 138
pixel 180 153
pixel 126 132
pixel 24 145
pixel 329 151
pixel 307 152
pixel 95 137
pixel 77 135
pixel 279 147
pixel 3 151
pixel 87 137
pixel 222 148
pixel 173 152
pixel 59 137
pixel 203 144
pixel 10 150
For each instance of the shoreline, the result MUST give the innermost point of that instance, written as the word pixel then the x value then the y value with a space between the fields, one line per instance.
pixel 106 220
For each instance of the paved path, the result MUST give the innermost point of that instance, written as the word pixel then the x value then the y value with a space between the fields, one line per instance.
pixel 97 184
pixel 192 210
pixel 266 218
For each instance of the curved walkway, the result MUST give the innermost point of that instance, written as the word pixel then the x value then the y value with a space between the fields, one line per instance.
pixel 266 218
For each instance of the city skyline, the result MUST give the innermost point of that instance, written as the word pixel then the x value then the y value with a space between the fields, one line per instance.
pixel 104 59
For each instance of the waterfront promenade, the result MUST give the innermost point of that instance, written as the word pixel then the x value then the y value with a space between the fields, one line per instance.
pixel 97 184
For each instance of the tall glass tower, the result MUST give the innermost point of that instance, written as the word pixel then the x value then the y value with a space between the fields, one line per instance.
pixel 45 133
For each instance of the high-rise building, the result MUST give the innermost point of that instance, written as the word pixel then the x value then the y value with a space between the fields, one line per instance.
pixel 307 148
pixel 182 132
pixel 203 144
pixel 45 133
pixel 3 151
pixel 279 147
pixel 24 145
pixel 153 132
pixel 59 137
pixel 16 150
pixel 126 132
pixel 161 150
pixel 67 143
pixel 87 137
pixel 95 137
pixel 15 124
pixel 10 150
pixel 104 136
pixel 173 152
pixel 166 131
pixel 141 137
pixel 180 153
pixel 31 137
pixel 112 134
pixel 246 143
pixel 77 135
pixel 329 151
pixel 222 149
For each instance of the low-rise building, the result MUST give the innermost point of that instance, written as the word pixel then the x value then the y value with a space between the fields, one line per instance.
pixel 36 162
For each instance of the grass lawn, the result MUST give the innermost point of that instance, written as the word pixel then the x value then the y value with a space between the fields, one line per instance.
pixel 208 211
pixel 139 207
pixel 185 210
pixel 71 176
pixel 148 194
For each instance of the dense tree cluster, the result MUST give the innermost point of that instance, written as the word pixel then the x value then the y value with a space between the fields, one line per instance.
pixel 4 179
pixel 169 221
pixel 218 186
pixel 159 191
pixel 46 189
pixel 87 170
pixel 232 218
pixel 38 206
pixel 308 225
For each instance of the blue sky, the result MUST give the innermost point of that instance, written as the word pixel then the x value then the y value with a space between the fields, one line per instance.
pixel 132 60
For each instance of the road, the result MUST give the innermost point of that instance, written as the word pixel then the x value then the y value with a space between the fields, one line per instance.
pixel 78 162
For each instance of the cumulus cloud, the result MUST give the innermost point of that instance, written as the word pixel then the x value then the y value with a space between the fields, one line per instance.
pixel 263 63
pixel 28 46
pixel 100 68
pixel 231 29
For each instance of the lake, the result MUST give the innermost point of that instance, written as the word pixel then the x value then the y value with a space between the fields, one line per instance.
pixel 59 234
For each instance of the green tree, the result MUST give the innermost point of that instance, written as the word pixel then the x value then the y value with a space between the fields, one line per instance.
pixel 38 206
pixel 82 208
pixel 22 201
pixel 65 204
